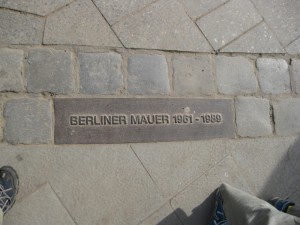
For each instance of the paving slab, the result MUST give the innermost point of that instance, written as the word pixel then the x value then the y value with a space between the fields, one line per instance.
pixel 228 22
pixel 295 75
pixel 80 23
pixel 41 207
pixel 148 75
pixel 163 25
pixel 253 117
pixel 259 39
pixel 195 204
pixel 18 28
pixel 273 75
pixel 193 76
pixel 97 184
pixel 198 8
pixel 115 10
pixel 100 73
pixel 294 47
pixel 39 7
pixel 11 63
pixel 269 163
pixel 287 117
pixel 173 166
pixel 163 216
pixel 28 121
pixel 283 18
pixel 51 71
pixel 235 75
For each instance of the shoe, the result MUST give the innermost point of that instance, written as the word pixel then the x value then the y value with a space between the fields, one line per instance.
pixel 219 217
pixel 280 204
pixel 9 187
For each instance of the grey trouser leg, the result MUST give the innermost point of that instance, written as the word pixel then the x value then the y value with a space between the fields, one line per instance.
pixel 244 209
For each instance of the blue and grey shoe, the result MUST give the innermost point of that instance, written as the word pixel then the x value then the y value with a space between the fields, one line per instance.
pixel 280 204
pixel 219 217
pixel 9 187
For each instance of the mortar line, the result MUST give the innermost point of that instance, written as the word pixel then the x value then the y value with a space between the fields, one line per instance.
pixel 21 12
pixel 298 37
pixel 143 165
pixel 212 10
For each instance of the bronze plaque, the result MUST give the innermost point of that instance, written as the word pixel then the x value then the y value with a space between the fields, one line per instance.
pixel 131 120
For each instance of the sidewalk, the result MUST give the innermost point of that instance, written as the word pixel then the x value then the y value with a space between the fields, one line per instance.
pixel 247 51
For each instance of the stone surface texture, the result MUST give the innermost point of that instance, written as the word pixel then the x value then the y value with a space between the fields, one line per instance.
pixel 259 39
pixel 41 206
pixel 193 76
pixel 147 75
pixel 294 47
pixel 273 75
pixel 163 25
pixel 51 71
pixel 235 75
pixel 17 28
pixel 28 121
pixel 253 117
pixel 39 7
pixel 296 75
pixel 11 62
pixel 100 73
pixel 228 22
pixel 287 117
pixel 115 10
pixel 79 23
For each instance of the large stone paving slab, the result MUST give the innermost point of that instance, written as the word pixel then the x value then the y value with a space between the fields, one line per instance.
pixel 115 10
pixel 257 40
pixel 282 16
pixel 96 184
pixel 17 28
pixel 163 25
pixel 39 7
pixel 41 207
pixel 80 23
pixel 228 22
pixel 294 47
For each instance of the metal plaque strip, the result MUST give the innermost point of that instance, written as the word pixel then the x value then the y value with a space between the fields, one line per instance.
pixel 132 120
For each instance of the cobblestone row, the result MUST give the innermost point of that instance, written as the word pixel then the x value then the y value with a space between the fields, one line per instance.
pixel 258 85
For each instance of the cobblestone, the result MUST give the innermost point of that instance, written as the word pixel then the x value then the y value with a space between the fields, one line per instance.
pixel 287 117
pixel 163 25
pixel 253 117
pixel 100 73
pixel 193 75
pixel 273 75
pixel 50 70
pixel 225 24
pixel 39 7
pixel 259 39
pixel 296 75
pixel 147 75
pixel 235 75
pixel 28 121
pixel 80 23
pixel 11 70
pixel 17 28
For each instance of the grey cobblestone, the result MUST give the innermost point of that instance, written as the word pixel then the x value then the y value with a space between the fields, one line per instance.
pixel 148 74
pixel 17 28
pixel 235 75
pixel 193 75
pixel 296 75
pixel 80 23
pixel 287 116
pixel 50 70
pixel 225 24
pixel 100 73
pixel 39 7
pixel 273 75
pixel 11 62
pixel 28 121
pixel 253 117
